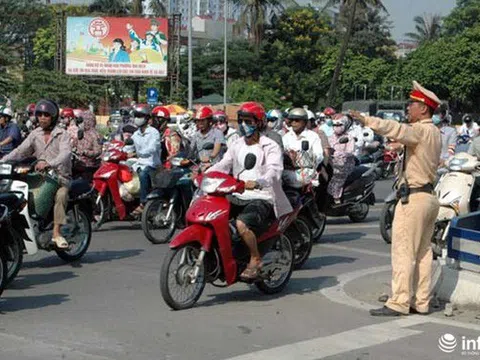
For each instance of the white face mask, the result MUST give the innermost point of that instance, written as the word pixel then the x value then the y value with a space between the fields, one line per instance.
pixel 222 127
pixel 140 121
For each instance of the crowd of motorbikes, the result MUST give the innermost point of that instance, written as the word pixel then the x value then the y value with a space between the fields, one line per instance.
pixel 184 197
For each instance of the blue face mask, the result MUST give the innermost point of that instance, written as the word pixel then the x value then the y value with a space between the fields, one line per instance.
pixel 329 122
pixel 436 119
pixel 247 130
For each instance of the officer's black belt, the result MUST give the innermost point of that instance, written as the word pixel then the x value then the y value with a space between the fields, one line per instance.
pixel 425 188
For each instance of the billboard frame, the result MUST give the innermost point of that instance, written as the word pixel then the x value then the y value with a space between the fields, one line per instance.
pixel 173 66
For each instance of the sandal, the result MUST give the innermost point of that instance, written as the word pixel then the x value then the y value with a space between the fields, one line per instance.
pixel 251 273
pixel 138 211
pixel 60 242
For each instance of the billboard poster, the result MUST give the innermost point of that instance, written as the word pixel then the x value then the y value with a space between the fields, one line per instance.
pixel 117 46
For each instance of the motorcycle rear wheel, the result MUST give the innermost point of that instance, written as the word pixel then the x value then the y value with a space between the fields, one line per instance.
pixel 158 208
pixel 359 214
pixel 269 286
pixel 178 277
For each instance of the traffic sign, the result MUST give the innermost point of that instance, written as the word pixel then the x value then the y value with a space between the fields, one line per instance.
pixel 152 95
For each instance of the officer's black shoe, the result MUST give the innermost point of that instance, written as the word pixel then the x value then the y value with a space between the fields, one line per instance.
pixel 414 311
pixel 384 311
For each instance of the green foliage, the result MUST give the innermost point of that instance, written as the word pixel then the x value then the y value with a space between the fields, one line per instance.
pixel 110 7
pixel 464 16
pixel 66 90
pixel 248 90
pixel 427 28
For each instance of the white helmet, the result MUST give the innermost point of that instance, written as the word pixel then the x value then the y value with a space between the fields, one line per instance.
pixel 7 112
pixel 311 115
pixel 275 119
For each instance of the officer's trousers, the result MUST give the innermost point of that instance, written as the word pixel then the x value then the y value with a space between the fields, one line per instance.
pixel 412 232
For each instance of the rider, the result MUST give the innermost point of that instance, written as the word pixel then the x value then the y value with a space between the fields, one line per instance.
pixel 50 145
pixel 343 160
pixel 68 122
pixel 171 139
pixel 206 134
pixel 10 136
pixel 469 127
pixel 327 126
pixel 221 122
pixel 263 198
pixel 31 122
pixel 305 162
pixel 275 121
pixel 449 136
pixel 89 147
pixel 148 151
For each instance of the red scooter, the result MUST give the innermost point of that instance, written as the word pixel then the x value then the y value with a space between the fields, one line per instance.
pixel 210 248
pixel 390 161
pixel 114 182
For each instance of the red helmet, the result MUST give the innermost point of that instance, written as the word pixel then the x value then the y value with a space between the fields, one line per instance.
pixel 219 115
pixel 30 109
pixel 161 112
pixel 67 113
pixel 329 111
pixel 252 108
pixel 204 112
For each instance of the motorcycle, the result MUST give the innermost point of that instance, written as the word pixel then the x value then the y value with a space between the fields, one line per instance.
pixel 357 195
pixel 32 221
pixel 211 249
pixel 167 203
pixel 456 195
pixel 116 184
pixel 4 232
pixel 390 161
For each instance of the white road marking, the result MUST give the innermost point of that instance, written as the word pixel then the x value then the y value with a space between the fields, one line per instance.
pixel 351 340
pixel 352 249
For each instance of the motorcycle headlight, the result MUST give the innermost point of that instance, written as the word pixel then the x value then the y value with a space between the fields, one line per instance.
pixel 210 185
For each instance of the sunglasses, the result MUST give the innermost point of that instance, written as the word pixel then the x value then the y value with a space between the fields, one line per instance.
pixel 248 121
pixel 337 125
pixel 272 119
pixel 42 114
pixel 295 120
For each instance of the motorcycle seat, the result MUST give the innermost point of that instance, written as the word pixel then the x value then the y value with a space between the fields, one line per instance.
pixel 355 175
pixel 11 201
pixel 78 188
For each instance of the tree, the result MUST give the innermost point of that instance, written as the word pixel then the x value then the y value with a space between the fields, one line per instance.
pixel 248 90
pixel 158 8
pixel 464 16
pixel 255 14
pixel 294 52
pixel 110 7
pixel 350 7
pixel 427 28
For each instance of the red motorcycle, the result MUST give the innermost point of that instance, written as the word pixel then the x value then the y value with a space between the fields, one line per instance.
pixel 210 248
pixel 390 161
pixel 116 184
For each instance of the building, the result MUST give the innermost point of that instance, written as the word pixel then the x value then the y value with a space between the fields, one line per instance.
pixel 405 48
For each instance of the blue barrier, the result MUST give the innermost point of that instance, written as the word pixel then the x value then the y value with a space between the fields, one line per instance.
pixel 463 241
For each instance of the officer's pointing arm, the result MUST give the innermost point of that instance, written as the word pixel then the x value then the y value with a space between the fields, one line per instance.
pixel 403 133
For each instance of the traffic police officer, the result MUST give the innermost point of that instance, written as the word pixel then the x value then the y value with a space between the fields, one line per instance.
pixel 417 206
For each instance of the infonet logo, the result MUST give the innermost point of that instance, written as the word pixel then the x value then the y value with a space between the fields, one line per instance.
pixel 470 347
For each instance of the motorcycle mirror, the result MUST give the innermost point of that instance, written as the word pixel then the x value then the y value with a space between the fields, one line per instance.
pixel 129 142
pixel 250 161
pixel 305 145
pixel 80 134
pixel 208 146
pixel 343 140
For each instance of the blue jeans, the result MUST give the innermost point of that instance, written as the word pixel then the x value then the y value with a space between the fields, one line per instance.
pixel 145 183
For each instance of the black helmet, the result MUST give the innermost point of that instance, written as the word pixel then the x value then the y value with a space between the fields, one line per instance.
pixel 49 107
pixel 467 118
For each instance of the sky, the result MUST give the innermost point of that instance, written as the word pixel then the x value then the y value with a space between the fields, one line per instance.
pixel 402 13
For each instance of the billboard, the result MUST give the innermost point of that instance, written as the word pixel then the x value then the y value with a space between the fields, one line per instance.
pixel 117 46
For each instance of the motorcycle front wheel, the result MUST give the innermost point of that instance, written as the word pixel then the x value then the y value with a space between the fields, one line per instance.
pixel 386 221
pixel 358 212
pixel 157 224
pixel 299 232
pixel 100 210
pixel 3 270
pixel 14 254
pixel 179 285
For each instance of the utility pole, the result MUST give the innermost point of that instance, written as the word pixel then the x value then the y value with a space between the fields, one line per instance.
pixel 190 75
pixel 225 8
